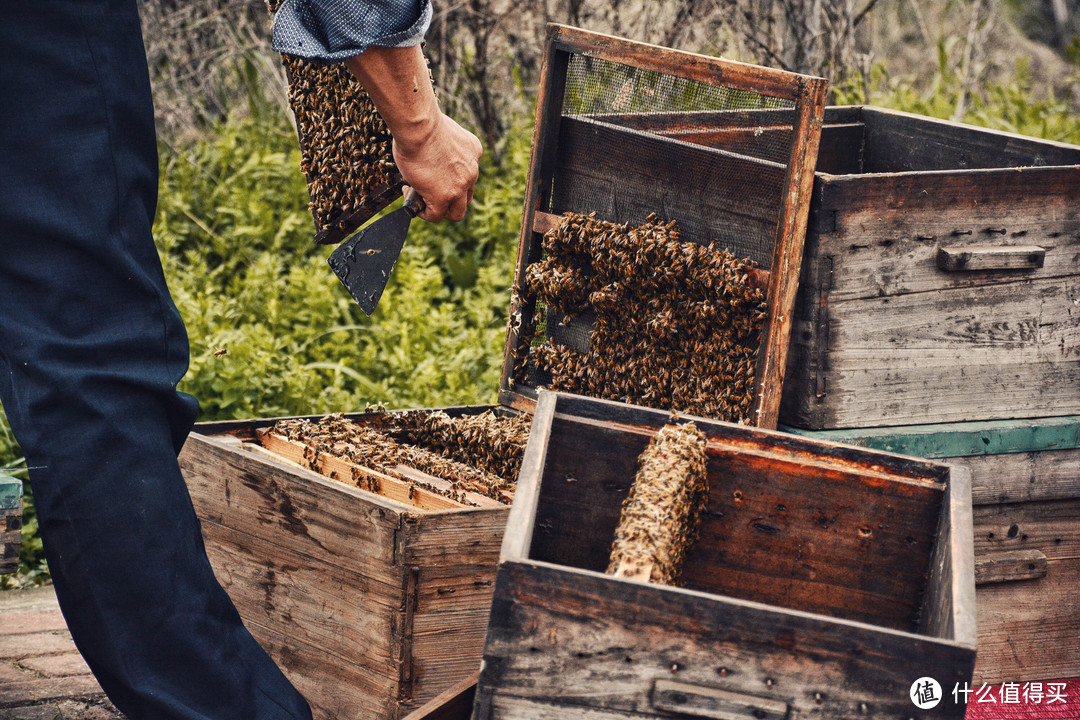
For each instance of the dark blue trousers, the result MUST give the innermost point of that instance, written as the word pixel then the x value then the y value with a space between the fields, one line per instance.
pixel 91 349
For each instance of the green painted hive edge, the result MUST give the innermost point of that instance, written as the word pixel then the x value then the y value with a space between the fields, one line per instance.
pixel 10 492
pixel 962 439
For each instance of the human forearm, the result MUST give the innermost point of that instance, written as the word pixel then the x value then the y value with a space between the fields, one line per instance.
pixel 435 155
pixel 397 81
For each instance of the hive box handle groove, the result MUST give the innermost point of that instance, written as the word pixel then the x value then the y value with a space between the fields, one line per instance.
pixel 707 702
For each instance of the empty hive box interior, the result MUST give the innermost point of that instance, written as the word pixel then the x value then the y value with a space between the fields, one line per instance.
pixel 820 535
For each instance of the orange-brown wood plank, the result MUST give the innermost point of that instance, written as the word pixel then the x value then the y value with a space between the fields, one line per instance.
pixel 403 491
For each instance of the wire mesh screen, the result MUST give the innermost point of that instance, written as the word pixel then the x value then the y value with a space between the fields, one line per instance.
pixel 647 122
pixel 659 206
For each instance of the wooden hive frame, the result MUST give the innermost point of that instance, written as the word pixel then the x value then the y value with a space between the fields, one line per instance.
pixel 551 145
pixel 345 146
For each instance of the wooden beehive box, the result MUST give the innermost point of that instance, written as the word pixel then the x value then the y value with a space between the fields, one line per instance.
pixel 10 523
pixel 375 604
pixel 617 134
pixel 370 603
pixel 940 279
pixel 1026 497
pixel 825 582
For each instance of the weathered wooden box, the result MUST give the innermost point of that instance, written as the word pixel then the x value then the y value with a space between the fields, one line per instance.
pixel 10 523
pixel 370 605
pixel 825 582
pixel 940 279
pixel 1026 496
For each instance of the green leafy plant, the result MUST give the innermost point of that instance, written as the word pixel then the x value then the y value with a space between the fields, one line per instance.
pixel 1013 106
pixel 272 331
pixel 33 570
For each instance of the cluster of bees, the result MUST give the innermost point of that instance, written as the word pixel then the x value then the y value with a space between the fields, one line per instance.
pixel 451 449
pixel 677 324
pixel 488 441
pixel 345 145
pixel 661 515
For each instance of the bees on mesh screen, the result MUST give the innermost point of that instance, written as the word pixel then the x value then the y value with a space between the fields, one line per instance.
pixel 678 324
pixel 474 453
pixel 661 514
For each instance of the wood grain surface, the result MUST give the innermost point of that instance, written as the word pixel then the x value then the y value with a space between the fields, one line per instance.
pixel 1029 627
pixel 884 336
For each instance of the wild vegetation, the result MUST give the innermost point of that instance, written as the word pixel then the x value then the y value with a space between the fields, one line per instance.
pixel 273 334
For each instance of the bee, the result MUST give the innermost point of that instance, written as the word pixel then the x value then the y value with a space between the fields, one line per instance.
pixel 220 352
pixel 672 317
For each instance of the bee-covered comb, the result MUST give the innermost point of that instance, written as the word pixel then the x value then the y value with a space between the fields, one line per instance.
pixel 660 516
pixel 345 147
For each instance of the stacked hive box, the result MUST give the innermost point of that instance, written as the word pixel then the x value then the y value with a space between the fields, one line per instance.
pixel 1026 495
pixel 373 604
pixel 939 315
pixel 10 523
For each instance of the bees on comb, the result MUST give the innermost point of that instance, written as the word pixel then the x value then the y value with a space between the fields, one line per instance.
pixel 661 514
pixel 677 324
pixel 486 441
pixel 345 146
pixel 479 454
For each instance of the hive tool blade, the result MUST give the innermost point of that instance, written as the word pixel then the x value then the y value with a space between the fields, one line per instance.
pixel 364 262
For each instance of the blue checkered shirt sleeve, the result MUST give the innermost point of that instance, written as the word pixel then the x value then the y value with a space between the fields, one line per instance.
pixel 335 30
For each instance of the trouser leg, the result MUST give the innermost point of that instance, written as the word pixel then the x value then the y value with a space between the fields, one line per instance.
pixel 91 348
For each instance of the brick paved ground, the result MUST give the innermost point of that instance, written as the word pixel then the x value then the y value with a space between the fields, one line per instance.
pixel 42 675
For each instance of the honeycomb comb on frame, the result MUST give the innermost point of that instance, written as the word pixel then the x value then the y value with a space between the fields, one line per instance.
pixel 345 147
pixel 660 516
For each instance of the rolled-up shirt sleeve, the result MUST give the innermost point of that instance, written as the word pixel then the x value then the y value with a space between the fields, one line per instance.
pixel 335 30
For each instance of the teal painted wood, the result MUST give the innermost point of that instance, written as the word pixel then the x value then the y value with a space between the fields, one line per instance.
pixel 964 439
pixel 10 492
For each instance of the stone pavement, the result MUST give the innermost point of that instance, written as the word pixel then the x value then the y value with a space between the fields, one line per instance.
pixel 42 675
